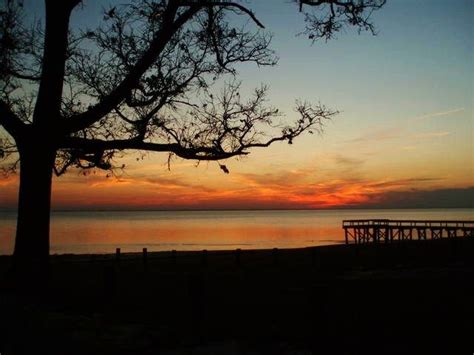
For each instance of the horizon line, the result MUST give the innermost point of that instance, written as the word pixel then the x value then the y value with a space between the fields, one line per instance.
pixel 238 209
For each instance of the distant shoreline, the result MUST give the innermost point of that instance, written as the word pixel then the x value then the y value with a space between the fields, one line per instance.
pixel 256 209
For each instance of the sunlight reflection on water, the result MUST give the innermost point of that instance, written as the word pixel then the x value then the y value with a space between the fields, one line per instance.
pixel 101 232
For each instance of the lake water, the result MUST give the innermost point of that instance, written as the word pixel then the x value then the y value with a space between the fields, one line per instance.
pixel 101 232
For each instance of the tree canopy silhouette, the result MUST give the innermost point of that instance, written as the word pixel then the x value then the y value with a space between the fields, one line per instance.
pixel 143 79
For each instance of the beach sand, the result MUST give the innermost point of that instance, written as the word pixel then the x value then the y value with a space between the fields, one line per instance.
pixel 412 297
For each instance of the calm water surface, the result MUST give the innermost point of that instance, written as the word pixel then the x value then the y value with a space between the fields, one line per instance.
pixel 101 232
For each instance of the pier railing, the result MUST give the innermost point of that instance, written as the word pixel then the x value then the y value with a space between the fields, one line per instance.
pixel 363 231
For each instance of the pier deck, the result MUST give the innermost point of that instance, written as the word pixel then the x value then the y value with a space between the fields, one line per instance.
pixel 363 231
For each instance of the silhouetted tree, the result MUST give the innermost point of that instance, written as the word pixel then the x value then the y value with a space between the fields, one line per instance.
pixel 141 80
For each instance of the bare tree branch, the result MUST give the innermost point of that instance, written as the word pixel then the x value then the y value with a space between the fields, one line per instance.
pixel 223 126
pixel 107 104
pixel 10 121
pixel 19 75
pixel 211 4
pixel 143 79
pixel 331 16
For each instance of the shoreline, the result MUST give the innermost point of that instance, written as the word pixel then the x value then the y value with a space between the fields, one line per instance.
pixel 447 249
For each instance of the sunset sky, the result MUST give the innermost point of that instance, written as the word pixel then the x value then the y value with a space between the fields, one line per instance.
pixel 404 137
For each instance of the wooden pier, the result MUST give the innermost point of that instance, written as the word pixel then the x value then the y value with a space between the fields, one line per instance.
pixel 362 231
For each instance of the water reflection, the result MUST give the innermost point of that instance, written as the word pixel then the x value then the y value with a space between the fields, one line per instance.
pixel 102 232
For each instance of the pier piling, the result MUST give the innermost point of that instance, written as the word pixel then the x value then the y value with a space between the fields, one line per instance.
pixel 363 231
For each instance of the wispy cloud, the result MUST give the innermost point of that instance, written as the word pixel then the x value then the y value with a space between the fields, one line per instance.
pixel 343 160
pixel 438 114
pixel 431 135
pixel 377 135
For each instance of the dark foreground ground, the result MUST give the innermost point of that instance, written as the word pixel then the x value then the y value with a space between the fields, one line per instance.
pixel 408 298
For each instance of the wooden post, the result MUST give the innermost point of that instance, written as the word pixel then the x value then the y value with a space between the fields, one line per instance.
pixel 436 233
pixel 117 255
pixel 237 256
pixel 145 259
pixel 345 236
pixel 452 232
pixel 421 233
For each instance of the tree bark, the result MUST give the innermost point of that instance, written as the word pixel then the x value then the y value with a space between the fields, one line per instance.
pixel 34 202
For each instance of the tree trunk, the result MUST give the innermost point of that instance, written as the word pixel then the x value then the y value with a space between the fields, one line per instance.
pixel 34 202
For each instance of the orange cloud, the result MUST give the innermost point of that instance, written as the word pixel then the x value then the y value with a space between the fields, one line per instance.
pixel 284 189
